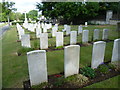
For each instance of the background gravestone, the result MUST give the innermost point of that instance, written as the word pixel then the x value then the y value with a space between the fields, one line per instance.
pixel 96 34
pixel 73 37
pixel 59 39
pixel 25 40
pixel 116 50
pixel 43 40
pixel 105 34
pixel 71 60
pixel 79 29
pixel 37 66
pixel 85 36
pixel 98 53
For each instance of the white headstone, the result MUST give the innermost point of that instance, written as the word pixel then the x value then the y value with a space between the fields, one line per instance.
pixel 105 34
pixel 85 24
pixel 54 30
pixel 37 65
pixel 71 60
pixel 68 30
pixel 85 36
pixel 59 39
pixel 98 53
pixel 79 29
pixel 38 32
pixel 96 34
pixel 116 50
pixel 65 28
pixel 25 40
pixel 43 40
pixel 73 37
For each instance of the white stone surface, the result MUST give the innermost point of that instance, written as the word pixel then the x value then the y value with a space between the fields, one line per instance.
pixel 38 32
pixel 98 53
pixel 73 37
pixel 85 24
pixel 80 29
pixel 71 60
pixel 37 65
pixel 85 36
pixel 116 50
pixel 105 34
pixel 43 40
pixel 59 39
pixel 54 30
pixel 25 40
pixel 65 28
pixel 68 30
pixel 96 34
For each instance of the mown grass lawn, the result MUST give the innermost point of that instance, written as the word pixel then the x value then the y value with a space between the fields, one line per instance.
pixel 15 69
pixel 109 83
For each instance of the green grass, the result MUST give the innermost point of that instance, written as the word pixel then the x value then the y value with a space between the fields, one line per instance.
pixel 15 68
pixel 109 83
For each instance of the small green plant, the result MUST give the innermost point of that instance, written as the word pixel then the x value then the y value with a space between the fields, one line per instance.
pixel 103 69
pixel 42 85
pixel 111 66
pixel 59 47
pixel 35 44
pixel 76 79
pixel 89 72
pixel 59 81
pixel 24 50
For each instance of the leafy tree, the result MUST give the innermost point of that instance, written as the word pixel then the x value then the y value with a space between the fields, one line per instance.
pixel 7 8
pixel 74 11
pixel 33 14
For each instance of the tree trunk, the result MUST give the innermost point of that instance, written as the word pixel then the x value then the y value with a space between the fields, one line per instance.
pixel 8 20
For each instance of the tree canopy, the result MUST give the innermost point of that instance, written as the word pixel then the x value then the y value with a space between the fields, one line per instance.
pixel 33 14
pixel 7 8
pixel 73 11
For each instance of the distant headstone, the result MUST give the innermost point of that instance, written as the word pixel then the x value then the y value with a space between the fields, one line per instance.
pixel 54 30
pixel 73 37
pixel 25 40
pixel 37 65
pixel 96 34
pixel 118 26
pixel 65 28
pixel 79 29
pixel 59 39
pixel 68 30
pixel 98 53
pixel 85 24
pixel 71 60
pixel 105 34
pixel 38 32
pixel 109 14
pixel 85 36
pixel 43 40
pixel 116 50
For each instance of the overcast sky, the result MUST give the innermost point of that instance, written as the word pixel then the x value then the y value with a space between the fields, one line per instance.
pixel 24 5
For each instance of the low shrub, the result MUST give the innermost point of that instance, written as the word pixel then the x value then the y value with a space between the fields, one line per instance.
pixel 117 65
pixel 35 44
pixel 59 81
pixel 78 79
pixel 42 85
pixel 24 50
pixel 59 47
pixel 111 66
pixel 88 71
pixel 103 69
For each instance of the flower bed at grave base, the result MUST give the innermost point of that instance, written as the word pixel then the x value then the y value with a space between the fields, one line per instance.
pixel 86 77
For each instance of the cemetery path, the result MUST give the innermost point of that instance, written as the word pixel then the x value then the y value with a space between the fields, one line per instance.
pixel 3 29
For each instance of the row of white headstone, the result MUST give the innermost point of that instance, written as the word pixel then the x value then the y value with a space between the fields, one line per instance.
pixel 37 61
pixel 31 27
pixel 25 39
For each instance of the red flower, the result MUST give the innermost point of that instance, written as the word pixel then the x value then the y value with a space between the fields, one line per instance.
pixel 57 75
